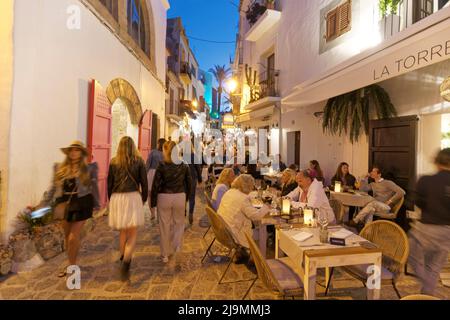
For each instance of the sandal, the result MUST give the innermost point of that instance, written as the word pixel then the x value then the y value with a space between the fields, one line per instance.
pixel 63 272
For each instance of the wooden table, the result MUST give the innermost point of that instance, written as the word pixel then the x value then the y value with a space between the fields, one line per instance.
pixel 310 255
pixel 357 199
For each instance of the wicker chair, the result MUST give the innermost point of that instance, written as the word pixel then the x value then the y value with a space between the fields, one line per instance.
pixel 420 297
pixel 338 209
pixel 276 275
pixel 394 244
pixel 394 213
pixel 224 236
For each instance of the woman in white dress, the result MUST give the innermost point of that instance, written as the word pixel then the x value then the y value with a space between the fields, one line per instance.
pixel 127 191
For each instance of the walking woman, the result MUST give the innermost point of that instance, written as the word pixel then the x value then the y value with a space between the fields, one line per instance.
pixel 74 180
pixel 127 191
pixel 171 187
pixel 154 158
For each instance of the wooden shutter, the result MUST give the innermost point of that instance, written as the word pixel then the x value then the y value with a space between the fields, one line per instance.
pixel 99 136
pixel 339 21
pixel 345 17
pixel 332 27
pixel 145 134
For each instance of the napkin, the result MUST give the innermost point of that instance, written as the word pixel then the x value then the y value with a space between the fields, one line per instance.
pixel 302 236
pixel 342 234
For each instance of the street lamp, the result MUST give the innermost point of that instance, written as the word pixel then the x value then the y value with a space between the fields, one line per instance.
pixel 195 104
pixel 232 85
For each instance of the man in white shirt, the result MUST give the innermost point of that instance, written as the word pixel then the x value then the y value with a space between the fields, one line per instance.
pixel 310 193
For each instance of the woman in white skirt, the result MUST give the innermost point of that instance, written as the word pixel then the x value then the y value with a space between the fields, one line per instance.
pixel 171 187
pixel 127 192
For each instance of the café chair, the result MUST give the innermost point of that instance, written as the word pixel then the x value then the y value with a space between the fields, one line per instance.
pixel 338 209
pixel 208 204
pixel 393 242
pixel 276 275
pixel 393 214
pixel 224 236
pixel 419 297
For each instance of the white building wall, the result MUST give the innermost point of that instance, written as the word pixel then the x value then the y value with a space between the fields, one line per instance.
pixel 53 66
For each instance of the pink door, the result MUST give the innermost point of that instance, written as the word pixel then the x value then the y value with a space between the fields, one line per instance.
pixel 99 136
pixel 145 134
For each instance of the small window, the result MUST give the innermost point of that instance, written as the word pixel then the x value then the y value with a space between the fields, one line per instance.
pixel 422 9
pixel 339 21
pixel 136 25
pixel 112 6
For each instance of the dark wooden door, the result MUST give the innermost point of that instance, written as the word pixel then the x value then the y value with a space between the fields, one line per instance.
pixel 392 147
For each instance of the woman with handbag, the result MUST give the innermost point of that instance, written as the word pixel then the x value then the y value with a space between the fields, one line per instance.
pixel 127 192
pixel 74 186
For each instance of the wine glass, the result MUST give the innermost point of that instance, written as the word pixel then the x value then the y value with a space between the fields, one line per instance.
pixel 322 219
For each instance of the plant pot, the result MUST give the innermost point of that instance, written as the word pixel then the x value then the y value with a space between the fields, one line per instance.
pixel 389 25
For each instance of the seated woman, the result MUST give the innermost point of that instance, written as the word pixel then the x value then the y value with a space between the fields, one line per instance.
pixel 226 178
pixel 343 175
pixel 288 183
pixel 316 171
pixel 238 212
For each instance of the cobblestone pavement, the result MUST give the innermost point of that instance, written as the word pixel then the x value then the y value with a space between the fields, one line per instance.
pixel 151 279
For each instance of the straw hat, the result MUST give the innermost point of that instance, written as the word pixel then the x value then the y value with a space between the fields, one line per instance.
pixel 75 144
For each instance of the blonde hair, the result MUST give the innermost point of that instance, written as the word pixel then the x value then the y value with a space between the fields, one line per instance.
pixel 127 154
pixel 292 175
pixel 167 151
pixel 63 171
pixel 244 183
pixel 225 175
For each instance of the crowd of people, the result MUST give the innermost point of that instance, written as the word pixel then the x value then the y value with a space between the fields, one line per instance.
pixel 170 188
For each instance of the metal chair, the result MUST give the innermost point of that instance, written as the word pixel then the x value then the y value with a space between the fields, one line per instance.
pixel 209 204
pixel 224 237
pixel 394 244
pixel 276 275
pixel 394 213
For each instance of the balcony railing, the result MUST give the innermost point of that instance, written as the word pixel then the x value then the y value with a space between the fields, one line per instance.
pixel 408 13
pixel 268 84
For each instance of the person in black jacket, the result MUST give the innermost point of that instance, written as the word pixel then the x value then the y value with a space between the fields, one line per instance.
pixel 127 192
pixel 172 185
pixel 195 168
pixel 429 238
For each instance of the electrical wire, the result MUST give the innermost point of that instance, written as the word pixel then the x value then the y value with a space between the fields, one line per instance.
pixel 210 41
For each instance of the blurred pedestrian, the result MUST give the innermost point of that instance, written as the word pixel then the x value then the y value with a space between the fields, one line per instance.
pixel 429 237
pixel 154 158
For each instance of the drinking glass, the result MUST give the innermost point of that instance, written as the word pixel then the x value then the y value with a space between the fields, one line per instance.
pixel 322 220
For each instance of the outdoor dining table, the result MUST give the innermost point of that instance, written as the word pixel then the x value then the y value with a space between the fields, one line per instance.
pixel 311 254
pixel 356 199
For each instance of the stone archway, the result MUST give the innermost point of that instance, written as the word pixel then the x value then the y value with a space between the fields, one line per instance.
pixel 126 112
pixel 122 89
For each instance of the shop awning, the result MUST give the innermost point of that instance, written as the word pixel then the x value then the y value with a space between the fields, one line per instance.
pixel 423 44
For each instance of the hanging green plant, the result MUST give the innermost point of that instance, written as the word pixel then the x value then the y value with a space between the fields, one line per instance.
pixel 349 113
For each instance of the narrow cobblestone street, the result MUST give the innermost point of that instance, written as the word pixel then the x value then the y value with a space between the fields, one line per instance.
pixel 151 279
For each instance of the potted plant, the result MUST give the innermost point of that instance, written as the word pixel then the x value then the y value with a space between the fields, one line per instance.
pixel 254 11
pixel 349 113
pixel 270 4
pixel 390 20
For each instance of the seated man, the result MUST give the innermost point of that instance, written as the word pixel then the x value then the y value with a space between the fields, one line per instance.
pixel 310 193
pixel 386 194
pixel 238 212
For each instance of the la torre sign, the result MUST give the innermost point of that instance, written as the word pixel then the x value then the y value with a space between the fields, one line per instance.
pixel 413 61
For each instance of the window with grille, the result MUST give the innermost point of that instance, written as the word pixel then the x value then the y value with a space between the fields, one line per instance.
pixel 112 6
pixel 136 25
pixel 339 21
pixel 422 9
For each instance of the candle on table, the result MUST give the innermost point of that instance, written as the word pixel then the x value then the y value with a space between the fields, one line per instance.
pixel 308 216
pixel 286 206
pixel 337 187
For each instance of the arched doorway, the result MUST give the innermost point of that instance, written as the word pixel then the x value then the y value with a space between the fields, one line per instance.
pixel 114 113
pixel 126 112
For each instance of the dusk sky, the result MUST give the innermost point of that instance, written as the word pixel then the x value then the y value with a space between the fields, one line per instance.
pixel 214 20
